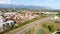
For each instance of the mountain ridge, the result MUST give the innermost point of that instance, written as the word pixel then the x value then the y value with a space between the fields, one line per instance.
pixel 23 6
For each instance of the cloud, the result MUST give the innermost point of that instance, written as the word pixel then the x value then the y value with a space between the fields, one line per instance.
pixel 6 2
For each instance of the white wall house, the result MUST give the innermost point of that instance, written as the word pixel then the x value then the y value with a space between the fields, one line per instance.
pixel 1 26
pixel 54 18
pixel 10 22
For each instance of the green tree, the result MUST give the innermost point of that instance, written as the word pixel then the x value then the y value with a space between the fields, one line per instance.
pixel 52 28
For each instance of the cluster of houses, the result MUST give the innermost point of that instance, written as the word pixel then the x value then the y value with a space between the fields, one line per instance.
pixel 20 17
pixel 13 17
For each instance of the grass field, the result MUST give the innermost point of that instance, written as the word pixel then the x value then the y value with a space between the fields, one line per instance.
pixel 49 22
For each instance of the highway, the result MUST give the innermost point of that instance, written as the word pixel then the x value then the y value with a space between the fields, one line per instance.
pixel 31 25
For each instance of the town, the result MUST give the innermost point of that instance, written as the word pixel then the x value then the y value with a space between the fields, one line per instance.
pixel 29 16
pixel 13 20
pixel 9 19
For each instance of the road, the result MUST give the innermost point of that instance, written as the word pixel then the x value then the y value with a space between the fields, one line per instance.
pixel 31 25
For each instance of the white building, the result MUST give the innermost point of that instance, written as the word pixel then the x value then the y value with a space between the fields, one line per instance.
pixel 10 13
pixel 10 22
pixel 1 19
pixel 3 24
pixel 54 18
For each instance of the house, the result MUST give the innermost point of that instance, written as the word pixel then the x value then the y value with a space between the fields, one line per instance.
pixel 54 18
pixel 10 22
pixel 12 15
pixel 1 26
pixel 1 19
pixel 3 23
pixel 9 15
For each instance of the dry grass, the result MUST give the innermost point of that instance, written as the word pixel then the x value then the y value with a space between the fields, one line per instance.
pixel 57 26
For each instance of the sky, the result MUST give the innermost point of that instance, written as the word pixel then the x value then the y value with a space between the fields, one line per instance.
pixel 49 3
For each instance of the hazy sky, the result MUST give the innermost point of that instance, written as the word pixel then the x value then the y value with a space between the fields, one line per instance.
pixel 50 3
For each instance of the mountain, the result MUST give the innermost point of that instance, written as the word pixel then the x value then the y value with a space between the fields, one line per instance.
pixel 23 6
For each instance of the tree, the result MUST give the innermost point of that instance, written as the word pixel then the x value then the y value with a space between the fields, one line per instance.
pixel 52 28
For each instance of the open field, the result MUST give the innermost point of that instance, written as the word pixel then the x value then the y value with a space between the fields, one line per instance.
pixel 49 22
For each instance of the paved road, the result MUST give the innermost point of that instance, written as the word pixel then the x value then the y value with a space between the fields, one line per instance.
pixel 31 25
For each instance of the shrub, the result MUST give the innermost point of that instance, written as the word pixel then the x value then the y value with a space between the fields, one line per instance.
pixel 40 31
pixel 45 25
pixel 52 28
